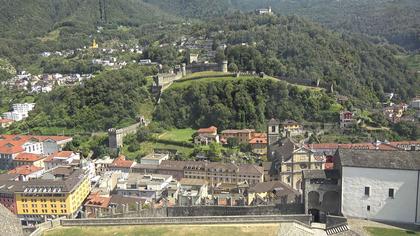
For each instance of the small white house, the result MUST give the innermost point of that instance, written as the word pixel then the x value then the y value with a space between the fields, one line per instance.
pixel 380 185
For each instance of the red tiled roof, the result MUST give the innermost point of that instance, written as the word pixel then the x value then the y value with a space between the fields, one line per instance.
pixel 210 129
pixel 28 157
pixel 95 200
pixel 121 162
pixel 259 135
pixel 258 140
pixel 10 148
pixel 25 170
pixel 62 154
pixel 6 120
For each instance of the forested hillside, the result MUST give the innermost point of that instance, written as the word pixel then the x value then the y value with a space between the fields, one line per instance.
pixel 113 98
pixel 241 103
pixel 28 18
pixel 397 21
pixel 294 48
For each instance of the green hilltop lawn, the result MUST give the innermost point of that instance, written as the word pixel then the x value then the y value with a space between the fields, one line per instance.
pixel 374 231
pixel 176 230
pixel 183 135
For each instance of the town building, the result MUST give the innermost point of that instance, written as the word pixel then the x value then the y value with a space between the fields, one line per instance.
pixel 29 159
pixel 264 11
pixel 258 144
pixel 13 145
pixel 290 128
pixel 59 192
pixel 273 192
pixel 121 164
pixel 213 172
pixel 415 103
pixel 192 192
pixel 347 119
pixel 61 158
pixel 205 136
pixel 154 159
pixel 4 123
pixel 102 164
pixel 242 135
pixel 379 185
pixel 20 111
pixel 27 172
pixel 8 185
pixel 149 187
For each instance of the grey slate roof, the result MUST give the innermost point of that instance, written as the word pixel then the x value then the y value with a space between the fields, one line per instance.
pixel 321 174
pixel 405 160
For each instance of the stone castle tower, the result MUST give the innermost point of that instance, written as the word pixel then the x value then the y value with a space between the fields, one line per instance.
pixel 273 136
pixel 224 66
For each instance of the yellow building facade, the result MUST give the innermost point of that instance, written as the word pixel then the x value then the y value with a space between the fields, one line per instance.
pixel 51 199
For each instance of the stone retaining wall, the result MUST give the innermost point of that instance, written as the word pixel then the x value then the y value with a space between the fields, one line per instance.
pixel 302 219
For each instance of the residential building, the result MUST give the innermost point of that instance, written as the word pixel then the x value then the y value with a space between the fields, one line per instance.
pixel 205 136
pixel 31 159
pixel 102 165
pixel 20 111
pixel 229 194
pixel 290 128
pixel 4 123
pixel 60 159
pixel 121 164
pixel 149 187
pixel 154 159
pixel 107 182
pixel 242 135
pixel 379 185
pixel 347 119
pixel 213 172
pixel 192 192
pixel 415 103
pixel 272 192
pixel 258 144
pixel 8 185
pixel 12 145
pixel 59 192
pixel 264 11
pixel 27 172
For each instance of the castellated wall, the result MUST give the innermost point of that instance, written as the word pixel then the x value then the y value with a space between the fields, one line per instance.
pixel 116 136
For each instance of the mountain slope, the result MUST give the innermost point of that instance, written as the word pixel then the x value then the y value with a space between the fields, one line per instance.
pixel 397 21
pixel 28 18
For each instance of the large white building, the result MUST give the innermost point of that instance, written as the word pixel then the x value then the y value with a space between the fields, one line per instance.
pixel 20 111
pixel 380 185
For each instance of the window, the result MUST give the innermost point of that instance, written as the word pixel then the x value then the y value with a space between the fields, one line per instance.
pixel 367 191
pixel 273 129
pixel 368 208
pixel 391 193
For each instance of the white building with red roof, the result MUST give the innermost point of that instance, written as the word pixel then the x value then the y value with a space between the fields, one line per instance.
pixel 206 136
pixel 121 164
pixel 13 145
pixel 27 172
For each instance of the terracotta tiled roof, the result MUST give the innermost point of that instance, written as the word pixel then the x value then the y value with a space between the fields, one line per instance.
pixel 28 157
pixel 10 148
pixel 62 154
pixel 6 121
pixel 210 129
pixel 95 200
pixel 25 170
pixel 258 140
pixel 121 162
